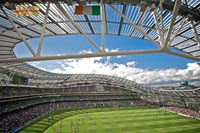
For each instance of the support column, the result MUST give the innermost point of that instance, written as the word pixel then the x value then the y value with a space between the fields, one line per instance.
pixel 103 26
pixel 173 19
pixel 195 33
pixel 43 30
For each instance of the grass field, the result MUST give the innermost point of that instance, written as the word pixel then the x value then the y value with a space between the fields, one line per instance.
pixel 115 120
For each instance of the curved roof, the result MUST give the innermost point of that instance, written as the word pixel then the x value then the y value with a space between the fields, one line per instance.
pixel 59 24
pixel 176 23
pixel 40 78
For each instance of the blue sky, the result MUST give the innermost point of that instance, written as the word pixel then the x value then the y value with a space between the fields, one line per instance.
pixel 77 43
pixel 139 63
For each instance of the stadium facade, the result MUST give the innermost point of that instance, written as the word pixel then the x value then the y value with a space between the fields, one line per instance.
pixel 28 90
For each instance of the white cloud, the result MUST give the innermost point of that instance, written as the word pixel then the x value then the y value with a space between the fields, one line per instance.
pixel 132 63
pixel 113 50
pixel 127 70
pixel 86 51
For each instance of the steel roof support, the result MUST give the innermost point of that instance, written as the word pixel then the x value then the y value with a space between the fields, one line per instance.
pixel 177 32
pixel 159 32
pixel 105 20
pixel 103 26
pixel 72 56
pixel 89 24
pixel 77 27
pixel 52 21
pixel 186 30
pixel 19 33
pixel 161 17
pixel 121 20
pixel 136 26
pixel 138 21
pixel 173 19
pixel 195 33
pixel 182 55
pixel 52 32
pixel 43 30
pixel 153 28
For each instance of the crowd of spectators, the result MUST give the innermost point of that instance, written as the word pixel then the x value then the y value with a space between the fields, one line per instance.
pixel 16 113
pixel 14 120
pixel 16 104
pixel 184 111
pixel 10 91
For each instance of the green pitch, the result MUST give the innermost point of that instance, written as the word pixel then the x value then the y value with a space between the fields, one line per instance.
pixel 115 120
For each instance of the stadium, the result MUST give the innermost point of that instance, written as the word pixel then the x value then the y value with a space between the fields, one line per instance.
pixel 76 97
